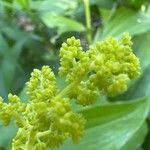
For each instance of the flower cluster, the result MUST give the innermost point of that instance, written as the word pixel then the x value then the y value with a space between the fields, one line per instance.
pixel 113 64
pixel 47 119
pixel 106 67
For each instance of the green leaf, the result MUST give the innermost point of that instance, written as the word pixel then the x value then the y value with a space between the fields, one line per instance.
pixel 8 71
pixel 4 48
pixel 146 144
pixel 135 3
pixel 68 6
pixel 23 3
pixel 7 134
pixel 63 24
pixel 140 134
pixel 104 4
pixel 6 4
pixel 142 49
pixel 125 20
pixel 114 126
pixel 8 63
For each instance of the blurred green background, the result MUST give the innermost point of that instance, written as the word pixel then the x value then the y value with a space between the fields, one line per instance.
pixel 31 33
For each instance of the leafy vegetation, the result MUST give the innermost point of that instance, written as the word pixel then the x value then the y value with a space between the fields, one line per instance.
pixel 31 33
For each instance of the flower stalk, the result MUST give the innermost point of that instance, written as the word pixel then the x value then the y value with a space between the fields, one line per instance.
pixel 88 20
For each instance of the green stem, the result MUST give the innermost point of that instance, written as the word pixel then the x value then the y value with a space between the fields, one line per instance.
pixel 88 20
pixel 21 120
pixel 31 140
pixel 40 134
pixel 66 90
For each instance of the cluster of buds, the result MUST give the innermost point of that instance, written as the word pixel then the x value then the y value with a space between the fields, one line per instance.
pixel 47 119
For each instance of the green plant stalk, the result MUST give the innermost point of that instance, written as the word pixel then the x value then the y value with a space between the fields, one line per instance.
pixel 30 143
pixel 31 140
pixel 88 20
pixel 66 90
pixel 19 119
pixel 40 134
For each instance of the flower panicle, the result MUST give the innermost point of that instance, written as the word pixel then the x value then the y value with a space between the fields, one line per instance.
pixel 47 119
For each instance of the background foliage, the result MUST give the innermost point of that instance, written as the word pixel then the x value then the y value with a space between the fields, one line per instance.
pixel 31 33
